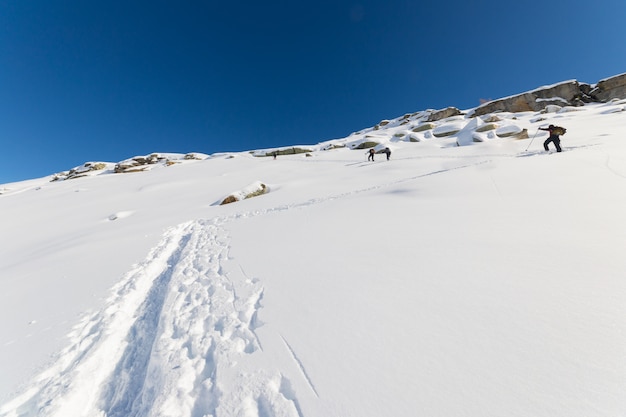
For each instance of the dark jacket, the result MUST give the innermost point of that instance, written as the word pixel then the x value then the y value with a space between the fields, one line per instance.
pixel 555 131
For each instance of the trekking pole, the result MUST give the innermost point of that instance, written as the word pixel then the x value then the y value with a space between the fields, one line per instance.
pixel 531 141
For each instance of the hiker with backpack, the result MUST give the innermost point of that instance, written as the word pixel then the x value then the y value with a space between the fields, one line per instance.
pixel 371 155
pixel 555 132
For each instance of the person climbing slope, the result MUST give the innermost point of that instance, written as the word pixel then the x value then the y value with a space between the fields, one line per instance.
pixel 555 132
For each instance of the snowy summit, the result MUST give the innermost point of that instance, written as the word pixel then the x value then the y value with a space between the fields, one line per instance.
pixel 472 274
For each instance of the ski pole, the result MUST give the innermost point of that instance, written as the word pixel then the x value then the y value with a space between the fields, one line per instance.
pixel 531 141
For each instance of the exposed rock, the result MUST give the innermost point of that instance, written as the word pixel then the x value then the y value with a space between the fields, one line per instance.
pixel 522 135
pixel 512 131
pixel 486 127
pixel 138 163
pixel 59 176
pixel 423 127
pixel 262 189
pixel 382 123
pixel 442 114
pixel 78 172
pixel 609 88
pixel 98 166
pixel 229 199
pixel 286 151
pixel 446 130
pixel 567 93
pixel 366 145
pixel 252 190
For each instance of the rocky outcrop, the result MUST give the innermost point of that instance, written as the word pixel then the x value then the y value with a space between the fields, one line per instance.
pixel 443 114
pixel 423 127
pixel 138 163
pixel 285 151
pixel 569 93
pixel 365 145
pixel 610 88
pixel 82 171
pixel 447 130
pixel 194 157
pixel 145 163
pixel 512 131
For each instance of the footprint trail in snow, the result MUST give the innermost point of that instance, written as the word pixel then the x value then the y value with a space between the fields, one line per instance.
pixel 167 344
pixel 170 339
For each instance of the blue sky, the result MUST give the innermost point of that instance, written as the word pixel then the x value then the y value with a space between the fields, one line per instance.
pixel 104 81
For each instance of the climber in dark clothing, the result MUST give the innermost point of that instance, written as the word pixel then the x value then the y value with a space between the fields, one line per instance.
pixel 371 155
pixel 387 151
pixel 555 132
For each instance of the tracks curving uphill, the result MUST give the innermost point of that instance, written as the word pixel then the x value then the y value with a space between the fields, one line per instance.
pixel 169 340
pixel 166 342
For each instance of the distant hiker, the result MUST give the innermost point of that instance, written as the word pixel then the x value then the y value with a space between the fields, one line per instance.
pixel 371 155
pixel 275 154
pixel 555 132
pixel 387 151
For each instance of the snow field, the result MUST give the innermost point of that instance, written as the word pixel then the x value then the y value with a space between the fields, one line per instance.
pixel 449 281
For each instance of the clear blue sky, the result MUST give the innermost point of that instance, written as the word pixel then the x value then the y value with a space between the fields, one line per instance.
pixel 107 80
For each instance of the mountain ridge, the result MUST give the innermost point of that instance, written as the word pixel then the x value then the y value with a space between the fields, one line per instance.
pixel 552 97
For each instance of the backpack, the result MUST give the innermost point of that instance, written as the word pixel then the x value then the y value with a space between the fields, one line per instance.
pixel 558 130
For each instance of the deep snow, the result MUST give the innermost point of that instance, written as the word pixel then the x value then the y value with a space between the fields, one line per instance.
pixel 450 281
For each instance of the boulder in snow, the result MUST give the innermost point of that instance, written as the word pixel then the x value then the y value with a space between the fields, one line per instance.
pixel 443 114
pixel 512 131
pixel 423 127
pixel 447 129
pixel 253 190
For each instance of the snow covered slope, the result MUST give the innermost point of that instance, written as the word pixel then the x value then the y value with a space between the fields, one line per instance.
pixel 450 281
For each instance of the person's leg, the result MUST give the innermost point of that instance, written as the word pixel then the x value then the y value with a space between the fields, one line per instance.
pixel 557 144
pixel 545 144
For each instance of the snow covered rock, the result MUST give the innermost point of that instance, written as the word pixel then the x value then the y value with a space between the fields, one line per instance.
pixel 253 190
pixel 443 114
pixel 423 127
pixel 565 93
pixel 613 87
pixel 512 131
pixel 87 169
pixel 447 129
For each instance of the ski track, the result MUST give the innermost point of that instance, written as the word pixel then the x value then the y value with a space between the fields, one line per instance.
pixel 168 341
pixel 173 325
pixel 300 365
